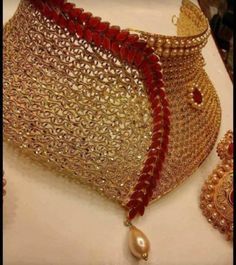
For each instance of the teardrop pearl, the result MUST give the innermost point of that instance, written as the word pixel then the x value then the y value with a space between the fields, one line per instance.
pixel 138 243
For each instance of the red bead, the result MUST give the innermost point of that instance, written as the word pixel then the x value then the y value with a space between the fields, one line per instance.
pixel 84 17
pixel 152 93
pixel 161 92
pixel 113 31
pixel 153 59
pixel 164 146
pixel 58 3
pixel 137 194
pixel 38 4
pixel 122 35
pixel 115 47
pixel 106 43
pixel 148 77
pixel 231 149
pixel 132 213
pixel 164 102
pixel 46 11
pixel 140 186
pixel 158 74
pixel 145 200
pixel 156 111
pixel 156 136
pixel 157 69
pixel 123 52
pixel 148 51
pixel 71 26
pixel 94 21
pixel 166 111
pixel 140 44
pixel 153 151
pixel 132 38
pixel 144 177
pixel 131 55
pixel 152 90
pixel 153 182
pixel 157 118
pixel 139 57
pixel 149 192
pixel 147 169
pixel 159 165
pixel 150 160
pixel 55 16
pixel 197 96
pixel 154 102
pixel 145 67
pixel 166 129
pixel 157 127
pixel 103 26
pixel 141 209
pixel 88 35
pixel 79 30
pixel 132 203
pixel 162 156
pixel 155 144
pixel 156 173
pixel 150 83
pixel 166 121
pixel 159 84
pixel 97 39
pixel 67 7
pixel 75 13
pixel 62 22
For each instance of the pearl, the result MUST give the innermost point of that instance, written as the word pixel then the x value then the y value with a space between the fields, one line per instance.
pixel 138 243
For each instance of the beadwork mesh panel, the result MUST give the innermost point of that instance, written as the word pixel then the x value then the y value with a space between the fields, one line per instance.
pixel 85 111
pixel 74 104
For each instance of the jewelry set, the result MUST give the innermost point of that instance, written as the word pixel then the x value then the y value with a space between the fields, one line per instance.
pixel 132 114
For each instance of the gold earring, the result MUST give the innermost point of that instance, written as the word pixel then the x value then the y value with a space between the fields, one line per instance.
pixel 216 200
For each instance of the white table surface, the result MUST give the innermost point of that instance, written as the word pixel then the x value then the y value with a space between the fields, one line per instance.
pixel 49 221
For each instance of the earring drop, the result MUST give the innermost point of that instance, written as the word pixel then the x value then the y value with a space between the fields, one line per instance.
pixel 217 195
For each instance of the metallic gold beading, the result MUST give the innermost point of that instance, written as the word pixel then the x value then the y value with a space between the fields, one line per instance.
pixel 86 113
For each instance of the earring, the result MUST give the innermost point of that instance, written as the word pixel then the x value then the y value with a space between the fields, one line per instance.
pixel 217 198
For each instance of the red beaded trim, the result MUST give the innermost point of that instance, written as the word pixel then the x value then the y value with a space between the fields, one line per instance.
pixel 134 51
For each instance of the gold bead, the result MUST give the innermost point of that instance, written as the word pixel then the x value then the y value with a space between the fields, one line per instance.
pixel 188 43
pixel 194 41
pixel 167 43
pixel 145 256
pixel 175 44
pixel 159 42
pixel 151 41
pixel 180 52
pixel 174 52
pixel 159 51
pixel 182 43
pixel 166 53
pixel 138 243
pixel 186 52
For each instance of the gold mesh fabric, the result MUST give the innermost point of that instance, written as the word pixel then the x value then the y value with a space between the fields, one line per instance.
pixel 87 113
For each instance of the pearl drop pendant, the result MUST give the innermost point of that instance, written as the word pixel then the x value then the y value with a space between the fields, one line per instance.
pixel 138 243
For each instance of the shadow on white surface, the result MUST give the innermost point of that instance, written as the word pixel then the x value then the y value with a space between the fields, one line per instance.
pixel 9 204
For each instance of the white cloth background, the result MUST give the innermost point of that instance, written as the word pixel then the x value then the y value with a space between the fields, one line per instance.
pixel 50 221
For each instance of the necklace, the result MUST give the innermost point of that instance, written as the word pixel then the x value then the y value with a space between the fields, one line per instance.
pixel 131 114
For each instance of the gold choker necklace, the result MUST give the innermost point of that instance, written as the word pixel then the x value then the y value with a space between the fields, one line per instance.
pixel 132 115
